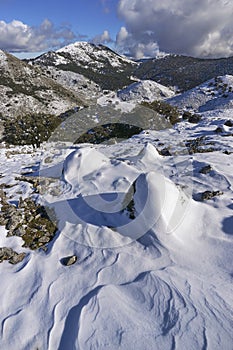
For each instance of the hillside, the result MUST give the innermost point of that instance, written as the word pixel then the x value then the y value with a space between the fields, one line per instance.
pixel 214 94
pixel 182 71
pixel 96 63
pixel 27 89
pixel 144 90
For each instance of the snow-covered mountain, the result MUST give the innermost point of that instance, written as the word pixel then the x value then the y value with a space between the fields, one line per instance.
pixel 184 72
pixel 97 63
pixel 26 89
pixel 216 93
pixel 145 90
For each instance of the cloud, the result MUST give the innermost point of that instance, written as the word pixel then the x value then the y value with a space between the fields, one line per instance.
pixel 17 36
pixel 201 28
pixel 126 44
pixel 122 36
pixel 103 38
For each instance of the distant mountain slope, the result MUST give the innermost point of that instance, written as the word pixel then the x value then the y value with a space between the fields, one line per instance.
pixel 216 93
pixel 88 67
pixel 145 90
pixel 183 71
pixel 25 89
pixel 95 62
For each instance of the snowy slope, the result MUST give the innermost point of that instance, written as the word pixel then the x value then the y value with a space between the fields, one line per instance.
pixel 96 63
pixel 144 90
pixel 216 93
pixel 93 54
pixel 154 267
pixel 25 89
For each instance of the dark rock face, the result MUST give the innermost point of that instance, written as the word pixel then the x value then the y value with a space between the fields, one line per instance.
pixel 194 118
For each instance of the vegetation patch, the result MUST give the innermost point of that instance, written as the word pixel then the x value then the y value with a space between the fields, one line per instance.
pixel 192 118
pixel 163 108
pixel 31 129
pixel 105 132
pixel 200 145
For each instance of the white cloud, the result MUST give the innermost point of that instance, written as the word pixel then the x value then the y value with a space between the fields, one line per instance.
pixel 17 36
pixel 126 44
pixel 122 36
pixel 103 38
pixel 194 27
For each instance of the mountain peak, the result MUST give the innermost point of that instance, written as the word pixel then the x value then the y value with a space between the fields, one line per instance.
pixel 89 52
pixel 78 45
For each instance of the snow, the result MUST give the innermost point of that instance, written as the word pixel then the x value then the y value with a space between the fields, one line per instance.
pixel 162 280
pixel 214 94
pixel 114 101
pixel 145 90
pixel 126 99
pixel 3 59
pixel 89 53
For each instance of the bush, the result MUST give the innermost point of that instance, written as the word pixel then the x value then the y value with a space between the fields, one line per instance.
pixel 164 108
pixel 31 129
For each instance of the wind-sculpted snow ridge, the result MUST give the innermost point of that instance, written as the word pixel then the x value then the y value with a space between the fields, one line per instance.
pixel 154 257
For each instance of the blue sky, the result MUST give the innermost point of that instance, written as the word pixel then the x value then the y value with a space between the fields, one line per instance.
pixel 139 28
pixel 87 17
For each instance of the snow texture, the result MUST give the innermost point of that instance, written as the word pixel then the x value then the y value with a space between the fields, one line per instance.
pixel 154 267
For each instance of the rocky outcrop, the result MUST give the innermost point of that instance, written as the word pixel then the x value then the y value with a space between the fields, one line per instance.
pixel 11 256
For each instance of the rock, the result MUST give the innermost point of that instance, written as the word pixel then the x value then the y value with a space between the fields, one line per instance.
pixel 219 130
pixel 164 152
pixel 69 260
pixel 194 118
pixel 33 222
pixel 229 123
pixel 186 115
pixel 16 258
pixel 210 194
pixel 44 239
pixel 206 169
pixel 10 255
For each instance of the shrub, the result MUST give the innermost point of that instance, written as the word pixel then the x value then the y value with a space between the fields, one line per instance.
pixel 31 129
pixel 164 108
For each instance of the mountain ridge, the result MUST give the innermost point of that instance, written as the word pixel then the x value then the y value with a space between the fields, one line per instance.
pixel 27 89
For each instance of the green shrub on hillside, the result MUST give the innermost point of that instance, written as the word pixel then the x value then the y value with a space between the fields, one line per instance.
pixel 164 108
pixel 31 129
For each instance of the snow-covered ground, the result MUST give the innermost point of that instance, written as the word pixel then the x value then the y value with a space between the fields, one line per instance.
pixel 145 90
pixel 216 93
pixel 154 261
